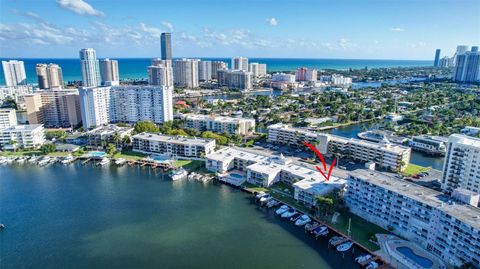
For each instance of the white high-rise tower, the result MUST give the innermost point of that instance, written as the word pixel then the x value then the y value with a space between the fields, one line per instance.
pixel 14 72
pixel 90 68
pixel 109 71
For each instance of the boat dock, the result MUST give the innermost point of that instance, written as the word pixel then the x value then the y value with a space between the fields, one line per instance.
pixel 372 259
pixel 344 240
pixel 165 167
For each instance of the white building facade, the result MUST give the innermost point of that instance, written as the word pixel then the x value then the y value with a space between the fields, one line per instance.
pixel 22 136
pixel 185 73
pixel 14 73
pixel 8 117
pixel 220 124
pixel 90 68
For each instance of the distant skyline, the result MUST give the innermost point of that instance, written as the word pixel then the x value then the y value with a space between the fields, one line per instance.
pixel 369 29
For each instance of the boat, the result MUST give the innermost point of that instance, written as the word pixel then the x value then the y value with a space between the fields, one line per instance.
pixel 178 174
pixel 68 159
pixel 372 265
pixel 335 239
pixel 295 216
pixel 320 230
pixel 266 198
pixel 120 161
pixel 104 161
pixel 2 226
pixel 260 194
pixel 345 246
pixel 363 258
pixel 3 160
pixel 272 203
pixel 282 210
pixel 310 226
pixel 33 159
pixel 44 161
pixel 287 214
pixel 10 160
pixel 20 160
pixel 304 219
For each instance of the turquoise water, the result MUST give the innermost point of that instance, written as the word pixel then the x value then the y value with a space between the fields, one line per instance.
pixel 137 68
pixel 125 217
pixel 421 261
pixel 97 153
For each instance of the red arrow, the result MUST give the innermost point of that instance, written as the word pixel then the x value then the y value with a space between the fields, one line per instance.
pixel 320 156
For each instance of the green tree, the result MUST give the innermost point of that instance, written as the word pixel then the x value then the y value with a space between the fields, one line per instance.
pixel 48 148
pixel 146 126
pixel 111 149
pixel 324 205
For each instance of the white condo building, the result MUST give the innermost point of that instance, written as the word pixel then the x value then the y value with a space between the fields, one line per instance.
pixel 90 68
pixel 160 74
pixel 8 117
pixel 220 124
pixel 22 136
pixel 14 73
pixel 306 74
pixel 102 105
pixel 240 63
pixel 218 65
pixel 467 68
pixel 258 70
pixel 173 146
pixel 443 227
pixel 205 70
pixel 185 73
pixel 109 72
pixel 461 168
pixel 49 76
pixel 235 79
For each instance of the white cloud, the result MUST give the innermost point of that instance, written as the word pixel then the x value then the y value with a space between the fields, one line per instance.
pixel 419 44
pixel 397 29
pixel 168 25
pixel 79 7
pixel 272 21
pixel 151 30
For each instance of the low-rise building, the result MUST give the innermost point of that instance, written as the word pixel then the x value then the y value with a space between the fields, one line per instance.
pixel 307 190
pixel 22 137
pixel 220 124
pixel 108 134
pixel 173 146
pixel 447 229
pixel 8 117
pixel 434 145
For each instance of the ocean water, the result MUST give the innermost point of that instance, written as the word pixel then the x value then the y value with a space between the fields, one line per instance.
pixel 133 68
pixel 107 217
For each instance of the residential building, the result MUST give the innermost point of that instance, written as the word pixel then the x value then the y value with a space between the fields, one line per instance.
pixel 220 124
pixel 258 70
pixel 49 76
pixel 14 92
pixel 109 72
pixel 22 137
pixel 205 70
pixel 240 63
pixel 90 68
pixel 461 49
pixel 470 130
pixel 54 108
pixel 307 190
pixel 185 73
pixel 306 74
pixel 437 58
pixel 99 137
pixel 461 168
pixel 445 228
pixel 102 105
pixel 160 74
pixel 166 46
pixel 235 79
pixel 218 65
pixel 8 117
pixel 340 80
pixel 14 73
pixel 446 62
pixel 433 145
pixel 173 146
pixel 285 134
pixel 467 67
pixel 283 77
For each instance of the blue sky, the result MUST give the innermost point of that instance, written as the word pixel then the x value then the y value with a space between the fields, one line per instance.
pixel 354 29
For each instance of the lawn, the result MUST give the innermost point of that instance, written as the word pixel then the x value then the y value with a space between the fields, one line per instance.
pixel 413 169
pixel 191 165
pixel 59 154
pixel 253 188
pixel 129 155
pixel 21 153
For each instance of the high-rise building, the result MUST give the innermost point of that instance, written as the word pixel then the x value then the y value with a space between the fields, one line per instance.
pixel 90 68
pixel 217 65
pixel 467 68
pixel 166 46
pixel 49 76
pixel 102 105
pixel 109 71
pixel 461 168
pixel 306 74
pixel 461 49
pixel 258 70
pixel 160 75
pixel 437 58
pixel 240 63
pixel 185 73
pixel 235 79
pixel 14 73
pixel 446 62
pixel 205 70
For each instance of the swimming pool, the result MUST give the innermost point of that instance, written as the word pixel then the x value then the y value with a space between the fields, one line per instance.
pixel 160 159
pixel 421 261
pixel 97 153
pixel 236 176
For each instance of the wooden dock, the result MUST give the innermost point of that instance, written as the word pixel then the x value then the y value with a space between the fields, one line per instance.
pixel 165 167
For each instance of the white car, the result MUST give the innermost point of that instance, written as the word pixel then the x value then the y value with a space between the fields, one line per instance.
pixel 304 219
pixel 282 209
pixel 290 212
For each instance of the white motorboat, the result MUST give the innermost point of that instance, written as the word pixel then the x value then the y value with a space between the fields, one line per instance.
pixel 310 226
pixel 372 265
pixel 282 210
pixel 345 246
pixel 363 258
pixel 3 160
pixel 320 231
pixel 267 197
pixel 335 239
pixel 104 161
pixel 33 159
pixel 260 194
pixel 10 160
pixel 272 203
pixel 68 159
pixel 44 161
pixel 290 212
pixel 21 159
pixel 120 161
pixel 304 219
pixel 179 174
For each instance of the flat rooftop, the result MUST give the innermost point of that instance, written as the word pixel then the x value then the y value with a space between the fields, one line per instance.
pixel 216 118
pixel 23 127
pixel 465 213
pixel 465 140
pixel 173 139
pixel 109 129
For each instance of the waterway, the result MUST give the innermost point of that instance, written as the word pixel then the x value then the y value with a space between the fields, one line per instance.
pixel 107 217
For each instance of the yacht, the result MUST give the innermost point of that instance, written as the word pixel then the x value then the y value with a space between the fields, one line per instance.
pixel 104 161
pixel 68 159
pixel 290 212
pixel 345 246
pixel 321 230
pixel 335 239
pixel 178 174
pixel 266 198
pixel 44 161
pixel 372 265
pixel 282 210
pixel 304 219
pixel 272 203
pixel 260 194
pixel 120 161
pixel 363 258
